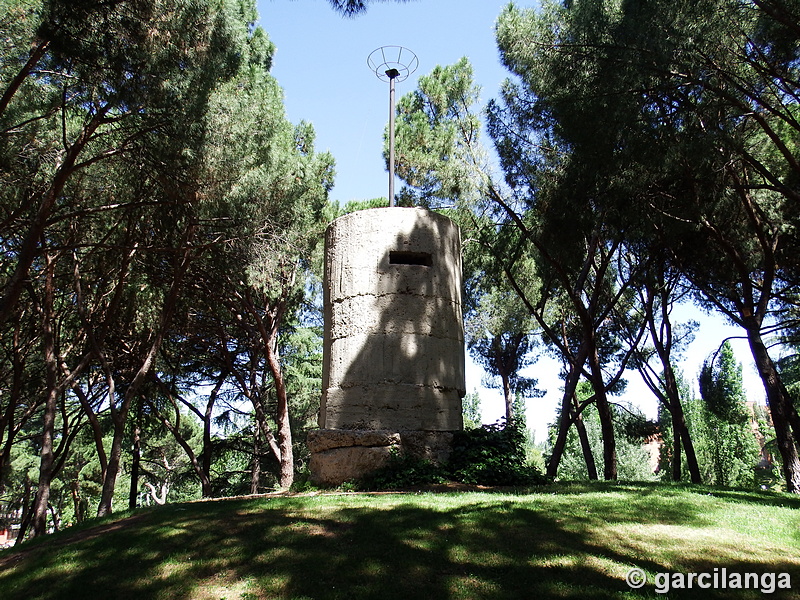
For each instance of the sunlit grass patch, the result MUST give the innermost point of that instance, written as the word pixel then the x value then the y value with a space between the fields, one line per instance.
pixel 570 541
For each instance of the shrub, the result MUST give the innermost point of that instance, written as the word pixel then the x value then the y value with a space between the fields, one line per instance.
pixel 492 455
pixel 488 455
pixel 403 470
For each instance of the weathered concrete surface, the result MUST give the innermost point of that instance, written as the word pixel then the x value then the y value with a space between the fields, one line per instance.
pixel 339 455
pixel 334 467
pixel 393 349
pixel 320 440
pixel 435 446
pixel 393 354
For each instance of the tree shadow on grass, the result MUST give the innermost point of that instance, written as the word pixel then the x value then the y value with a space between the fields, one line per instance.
pixel 442 547
pixel 766 498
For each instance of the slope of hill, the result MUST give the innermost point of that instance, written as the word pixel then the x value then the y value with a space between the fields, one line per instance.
pixel 561 541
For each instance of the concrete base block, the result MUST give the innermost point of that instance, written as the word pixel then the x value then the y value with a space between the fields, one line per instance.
pixel 334 467
pixel 434 446
pixel 320 440
pixel 340 455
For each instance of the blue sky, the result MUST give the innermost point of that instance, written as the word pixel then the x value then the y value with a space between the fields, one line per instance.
pixel 321 63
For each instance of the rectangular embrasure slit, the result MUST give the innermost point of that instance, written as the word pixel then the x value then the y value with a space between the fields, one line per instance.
pixel 400 257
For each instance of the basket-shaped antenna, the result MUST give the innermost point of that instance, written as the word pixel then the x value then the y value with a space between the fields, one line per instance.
pixel 392 63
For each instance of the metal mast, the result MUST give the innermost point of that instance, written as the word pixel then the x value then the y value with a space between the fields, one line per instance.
pixel 392 63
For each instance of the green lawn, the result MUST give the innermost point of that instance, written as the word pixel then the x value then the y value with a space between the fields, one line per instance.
pixel 560 541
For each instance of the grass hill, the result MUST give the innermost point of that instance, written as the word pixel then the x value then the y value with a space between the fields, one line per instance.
pixel 559 541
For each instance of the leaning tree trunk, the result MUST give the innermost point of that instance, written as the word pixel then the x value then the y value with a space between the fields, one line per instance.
pixel 268 326
pixel 47 453
pixel 46 464
pixel 586 446
pixel 114 461
pixel 662 338
pixel 27 508
pixel 606 419
pixel 286 476
pixel 680 431
pixel 30 249
pixel 133 494
pixel 207 454
pixel 780 407
pixel 570 385
pixel 119 415
pixel 255 463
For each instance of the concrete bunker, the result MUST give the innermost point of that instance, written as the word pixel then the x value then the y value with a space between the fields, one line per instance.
pixel 393 374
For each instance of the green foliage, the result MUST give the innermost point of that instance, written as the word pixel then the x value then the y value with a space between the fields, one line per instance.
pixel 492 455
pixel 721 387
pixel 147 153
pixel 355 205
pixel 727 449
pixel 727 453
pixel 471 410
pixel 671 129
pixel 633 460
pixel 165 470
pixel 403 471
pixel 731 450
pixel 499 332
pixel 230 473
pixel 351 8
pixel 437 132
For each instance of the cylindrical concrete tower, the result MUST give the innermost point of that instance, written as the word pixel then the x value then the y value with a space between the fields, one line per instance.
pixel 394 338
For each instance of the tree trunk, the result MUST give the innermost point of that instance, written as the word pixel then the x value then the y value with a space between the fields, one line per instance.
pixel 175 430
pixel 47 453
pixel 679 429
pixel 255 467
pixel 162 500
pixel 114 460
pixel 261 421
pixel 133 495
pixel 688 448
pixel 586 447
pixel 269 337
pixel 54 518
pixel 207 489
pixel 36 55
pixel 118 416
pixel 606 418
pixel 286 476
pixel 780 407
pixel 205 480
pixel 200 463
pixel 7 420
pixel 662 338
pixel 30 244
pixel 75 490
pixel 507 396
pixel 27 511
pixel 570 385
pixel 97 428
pixel 676 453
